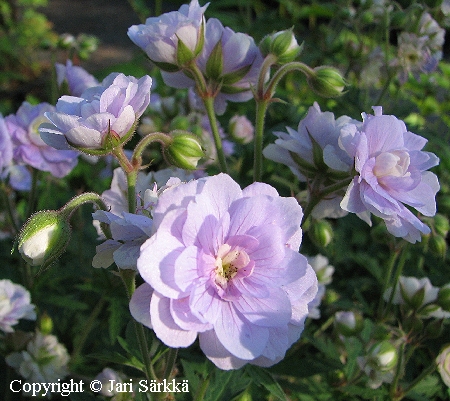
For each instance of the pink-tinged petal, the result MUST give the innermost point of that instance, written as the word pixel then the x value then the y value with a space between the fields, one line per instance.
pixel 140 304
pixel 156 264
pixel 242 338
pixel 217 353
pixel 275 310
pixel 165 327
pixel 183 316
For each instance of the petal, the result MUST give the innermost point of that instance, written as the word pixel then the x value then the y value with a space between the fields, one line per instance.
pixel 165 327
pixel 242 338
pixel 217 353
pixel 140 304
pixel 184 318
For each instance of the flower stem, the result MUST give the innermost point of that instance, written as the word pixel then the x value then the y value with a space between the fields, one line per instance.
pixel 209 105
pixel 387 279
pixel 164 139
pixel 128 279
pixel 87 197
pixel 261 110
pixel 170 362
pixel 394 393
pixel 33 191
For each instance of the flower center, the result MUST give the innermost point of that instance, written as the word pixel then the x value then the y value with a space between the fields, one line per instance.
pixel 393 163
pixel 229 261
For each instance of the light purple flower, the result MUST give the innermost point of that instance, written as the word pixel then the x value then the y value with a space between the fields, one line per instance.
pixel 129 232
pixel 392 172
pixel 17 176
pixel 77 78
pixel 295 149
pixel 242 60
pixel 224 265
pixel 103 117
pixel 159 36
pixel 29 148
pixel 15 304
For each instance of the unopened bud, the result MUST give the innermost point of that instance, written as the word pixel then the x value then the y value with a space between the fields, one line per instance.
pixel 241 129
pixel 326 82
pixel 281 44
pixel 383 356
pixel 348 323
pixel 185 151
pixel 43 238
pixel 438 245
pixel 321 232
pixel 45 324
pixel 441 224
pixel 443 299
pixel 66 41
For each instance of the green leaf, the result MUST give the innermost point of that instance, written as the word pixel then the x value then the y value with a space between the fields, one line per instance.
pixel 263 378
pixel 214 65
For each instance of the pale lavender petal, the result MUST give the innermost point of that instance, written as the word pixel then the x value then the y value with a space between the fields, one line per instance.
pixel 140 304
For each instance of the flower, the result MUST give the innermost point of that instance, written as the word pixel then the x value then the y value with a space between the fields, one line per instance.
pixel 224 265
pixel 29 148
pixel 166 37
pixel 241 129
pixel 233 69
pixel 313 149
pixel 15 304
pixel 348 323
pixel 18 176
pixel 108 376
pixel 392 172
pixel 103 117
pixel 77 78
pixel 443 365
pixel 128 232
pixel 44 360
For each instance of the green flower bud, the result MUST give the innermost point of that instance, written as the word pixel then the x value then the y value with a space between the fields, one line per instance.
pixel 348 323
pixel 185 151
pixel 441 224
pixel 434 329
pixel 382 356
pixel 326 81
pixel 45 324
pixel 281 44
pixel 321 233
pixel 443 299
pixel 438 245
pixel 43 238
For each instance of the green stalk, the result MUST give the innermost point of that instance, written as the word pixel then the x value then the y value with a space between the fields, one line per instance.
pixel 87 328
pixel 208 101
pixel 164 139
pixel 170 362
pixel 398 372
pixel 387 279
pixel 33 192
pixel 261 110
pixel 9 209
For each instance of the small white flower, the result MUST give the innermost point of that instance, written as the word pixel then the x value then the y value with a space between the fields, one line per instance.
pixel 323 269
pixel 44 360
pixel 443 365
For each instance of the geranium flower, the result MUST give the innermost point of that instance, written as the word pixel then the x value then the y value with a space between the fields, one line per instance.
pixel 77 78
pixel 233 75
pixel 296 149
pixel 30 149
pixel 160 37
pixel 103 117
pixel 15 304
pixel 44 360
pixel 392 172
pixel 224 265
